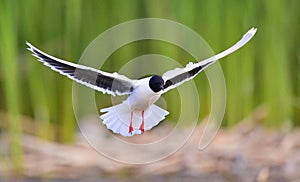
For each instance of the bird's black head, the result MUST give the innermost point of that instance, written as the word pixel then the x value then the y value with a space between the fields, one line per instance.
pixel 156 83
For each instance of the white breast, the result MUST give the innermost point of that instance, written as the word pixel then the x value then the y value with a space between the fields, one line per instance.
pixel 142 96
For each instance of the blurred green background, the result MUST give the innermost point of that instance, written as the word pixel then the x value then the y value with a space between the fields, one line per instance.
pixel 266 73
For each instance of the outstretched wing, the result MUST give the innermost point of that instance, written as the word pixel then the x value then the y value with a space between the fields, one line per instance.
pixel 178 76
pixel 111 83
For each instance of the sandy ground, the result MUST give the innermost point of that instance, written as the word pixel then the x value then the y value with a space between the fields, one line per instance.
pixel 244 153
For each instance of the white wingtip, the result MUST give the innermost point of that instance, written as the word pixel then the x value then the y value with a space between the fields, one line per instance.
pixel 29 45
pixel 250 33
pixel 246 38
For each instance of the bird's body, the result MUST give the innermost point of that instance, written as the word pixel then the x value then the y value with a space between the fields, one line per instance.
pixel 137 113
pixel 142 96
pixel 128 118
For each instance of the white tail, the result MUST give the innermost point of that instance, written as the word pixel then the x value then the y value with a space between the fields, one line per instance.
pixel 117 118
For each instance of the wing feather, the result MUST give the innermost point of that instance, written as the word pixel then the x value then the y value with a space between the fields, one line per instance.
pixel 111 83
pixel 178 76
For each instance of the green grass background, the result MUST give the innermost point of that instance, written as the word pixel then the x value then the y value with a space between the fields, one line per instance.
pixel 265 73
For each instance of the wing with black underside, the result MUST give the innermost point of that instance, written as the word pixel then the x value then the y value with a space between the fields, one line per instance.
pixel 178 76
pixel 182 76
pixel 111 83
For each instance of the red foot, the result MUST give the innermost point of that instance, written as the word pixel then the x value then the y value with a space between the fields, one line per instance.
pixel 143 122
pixel 130 126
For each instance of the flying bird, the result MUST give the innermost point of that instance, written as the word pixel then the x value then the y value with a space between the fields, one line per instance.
pixel 137 113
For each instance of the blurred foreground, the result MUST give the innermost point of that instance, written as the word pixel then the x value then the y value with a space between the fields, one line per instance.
pixel 245 153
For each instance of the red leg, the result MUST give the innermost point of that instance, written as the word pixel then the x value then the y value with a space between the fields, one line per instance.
pixel 143 122
pixel 130 126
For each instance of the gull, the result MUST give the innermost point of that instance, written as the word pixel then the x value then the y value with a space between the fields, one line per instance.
pixel 137 113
